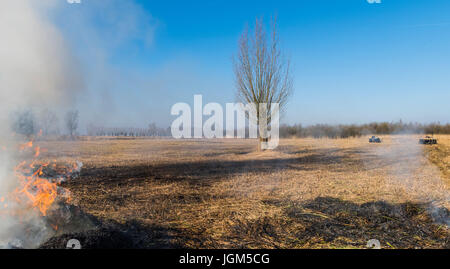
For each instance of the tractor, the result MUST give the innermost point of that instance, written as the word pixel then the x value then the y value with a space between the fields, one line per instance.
pixel 428 140
pixel 374 139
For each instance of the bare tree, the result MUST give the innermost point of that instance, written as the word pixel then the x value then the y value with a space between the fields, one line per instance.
pixel 72 122
pixel 24 123
pixel 48 122
pixel 262 73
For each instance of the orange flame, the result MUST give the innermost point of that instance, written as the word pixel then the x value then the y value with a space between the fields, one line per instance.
pixel 26 145
pixel 34 190
pixel 41 193
pixel 37 151
pixel 54 226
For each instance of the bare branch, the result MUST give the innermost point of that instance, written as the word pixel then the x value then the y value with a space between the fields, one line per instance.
pixel 262 72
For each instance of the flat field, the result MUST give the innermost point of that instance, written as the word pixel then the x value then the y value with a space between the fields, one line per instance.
pixel 308 193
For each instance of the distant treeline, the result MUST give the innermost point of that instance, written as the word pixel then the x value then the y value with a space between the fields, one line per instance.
pixel 353 130
pixel 152 130
pixel 44 123
pixel 316 131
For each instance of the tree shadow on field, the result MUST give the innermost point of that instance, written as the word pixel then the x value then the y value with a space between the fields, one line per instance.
pixel 216 169
pixel 331 222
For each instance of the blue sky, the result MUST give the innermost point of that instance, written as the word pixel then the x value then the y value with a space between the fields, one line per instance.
pixel 354 62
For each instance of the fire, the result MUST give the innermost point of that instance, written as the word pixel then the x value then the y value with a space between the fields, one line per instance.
pixel 26 145
pixel 35 191
pixel 37 152
pixel 40 192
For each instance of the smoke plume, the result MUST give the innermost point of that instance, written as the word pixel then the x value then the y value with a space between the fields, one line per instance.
pixel 37 71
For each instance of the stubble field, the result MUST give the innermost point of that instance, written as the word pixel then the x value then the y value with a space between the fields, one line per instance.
pixel 308 193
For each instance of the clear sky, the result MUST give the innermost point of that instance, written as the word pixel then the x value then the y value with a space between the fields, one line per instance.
pixel 354 62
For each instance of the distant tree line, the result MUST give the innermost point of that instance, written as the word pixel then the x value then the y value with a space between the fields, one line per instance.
pixel 152 130
pixel 316 131
pixel 354 130
pixel 45 123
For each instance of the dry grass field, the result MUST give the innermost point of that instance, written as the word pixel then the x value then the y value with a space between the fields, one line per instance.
pixel 308 193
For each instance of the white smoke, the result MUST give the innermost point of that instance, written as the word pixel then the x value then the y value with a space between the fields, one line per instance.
pixel 411 173
pixel 36 71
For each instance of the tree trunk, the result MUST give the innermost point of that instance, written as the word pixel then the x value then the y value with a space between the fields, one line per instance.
pixel 261 141
pixel 263 134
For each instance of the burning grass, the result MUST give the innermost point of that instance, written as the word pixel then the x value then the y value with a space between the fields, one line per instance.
pixel 33 198
pixel 309 193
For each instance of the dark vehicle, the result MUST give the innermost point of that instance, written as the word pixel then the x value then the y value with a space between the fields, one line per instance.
pixel 428 140
pixel 374 139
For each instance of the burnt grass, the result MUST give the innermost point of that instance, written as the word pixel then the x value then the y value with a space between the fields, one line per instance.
pixel 325 221
pixel 223 195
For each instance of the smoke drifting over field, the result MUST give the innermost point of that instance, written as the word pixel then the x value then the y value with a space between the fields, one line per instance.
pixel 412 174
pixel 36 72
